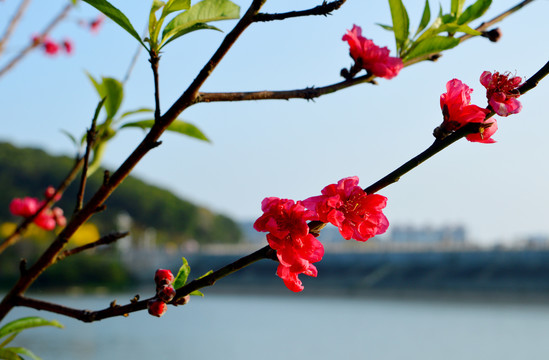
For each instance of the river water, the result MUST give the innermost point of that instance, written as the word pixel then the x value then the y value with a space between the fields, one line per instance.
pixel 222 326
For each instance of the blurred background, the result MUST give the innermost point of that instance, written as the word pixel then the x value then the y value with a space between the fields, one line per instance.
pixel 461 272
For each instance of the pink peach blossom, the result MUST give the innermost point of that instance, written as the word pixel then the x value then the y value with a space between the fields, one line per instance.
pixel 501 92
pixel 372 58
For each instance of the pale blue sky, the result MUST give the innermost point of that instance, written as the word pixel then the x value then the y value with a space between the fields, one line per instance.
pixel 293 149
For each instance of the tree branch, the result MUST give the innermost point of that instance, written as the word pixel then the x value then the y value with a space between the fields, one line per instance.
pixel 33 45
pixel 105 240
pixel 307 93
pixel 324 9
pixel 13 24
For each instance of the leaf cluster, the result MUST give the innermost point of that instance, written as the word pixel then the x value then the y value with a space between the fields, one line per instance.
pixel 13 328
pixel 187 19
pixel 428 40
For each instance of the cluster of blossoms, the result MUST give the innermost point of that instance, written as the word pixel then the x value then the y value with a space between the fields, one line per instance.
pixel 356 214
pixel 48 218
pixel 165 293
pixel 371 57
pixel 52 47
pixel 457 109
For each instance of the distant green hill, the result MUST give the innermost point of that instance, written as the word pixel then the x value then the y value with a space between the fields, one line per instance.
pixel 27 172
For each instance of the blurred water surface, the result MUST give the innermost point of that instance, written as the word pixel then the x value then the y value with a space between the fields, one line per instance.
pixel 222 326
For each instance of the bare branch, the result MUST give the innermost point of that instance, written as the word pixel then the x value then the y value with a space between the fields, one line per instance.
pixel 105 240
pixel 324 9
pixel 13 23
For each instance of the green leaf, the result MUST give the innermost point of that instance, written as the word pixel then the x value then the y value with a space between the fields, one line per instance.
pixel 115 15
pixel 206 274
pixel 457 5
pixel 474 11
pixel 177 126
pixel 431 45
pixel 136 111
pixel 401 23
pixel 23 351
pixel 176 5
pixel 8 339
pixel 424 18
pixel 202 12
pixel 386 27
pixel 182 274
pixel 454 28
pixel 114 92
pixel 187 30
pixel 153 31
pixel 26 323
pixel 7 354
pixel 197 293
pixel 71 137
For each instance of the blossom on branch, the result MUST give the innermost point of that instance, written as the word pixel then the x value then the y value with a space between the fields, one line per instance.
pixel 458 111
pixel 371 57
pixel 288 234
pixel 47 219
pixel 356 214
pixel 502 93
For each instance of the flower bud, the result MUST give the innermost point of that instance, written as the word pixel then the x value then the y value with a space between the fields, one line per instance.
pixel 166 293
pixel 182 300
pixel 156 307
pixel 163 277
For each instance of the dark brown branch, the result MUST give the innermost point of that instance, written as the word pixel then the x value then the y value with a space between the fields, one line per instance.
pixel 33 44
pixel 154 60
pixel 149 142
pixel 307 93
pixel 13 23
pixel 105 240
pixel 324 9
pixel 15 236
pixel 534 80
pixel 90 143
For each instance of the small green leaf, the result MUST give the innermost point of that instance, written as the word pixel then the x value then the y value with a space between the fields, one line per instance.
pixel 137 111
pixel 176 5
pixel 457 5
pixel 401 23
pixel 202 12
pixel 424 18
pixel 23 351
pixel 182 274
pixel 8 339
pixel 177 126
pixel 431 45
pixel 116 15
pixel 386 27
pixel 26 323
pixel 474 11
pixel 71 137
pixel 114 92
pixel 197 293
pixel 153 34
pixel 7 354
pixel 187 30
pixel 454 28
pixel 206 274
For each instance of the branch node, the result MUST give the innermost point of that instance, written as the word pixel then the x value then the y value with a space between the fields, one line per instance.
pixel 106 177
pixel 23 267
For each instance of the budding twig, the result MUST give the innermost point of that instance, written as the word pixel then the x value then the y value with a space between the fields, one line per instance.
pixel 324 9
pixel 105 240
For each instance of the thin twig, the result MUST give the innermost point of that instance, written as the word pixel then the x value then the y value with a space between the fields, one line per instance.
pixel 33 44
pixel 324 9
pixel 105 240
pixel 90 143
pixel 13 24
pixel 149 142
pixel 154 60
pixel 534 80
pixel 307 93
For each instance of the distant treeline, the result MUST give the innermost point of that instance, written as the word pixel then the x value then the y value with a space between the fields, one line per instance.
pixel 27 172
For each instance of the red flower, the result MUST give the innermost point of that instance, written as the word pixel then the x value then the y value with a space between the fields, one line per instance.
pixel 68 46
pixel 296 248
pixel 157 307
pixel 502 93
pixel 163 277
pixel 24 207
pixel 95 24
pixel 50 47
pixel 356 214
pixel 458 111
pixel 373 59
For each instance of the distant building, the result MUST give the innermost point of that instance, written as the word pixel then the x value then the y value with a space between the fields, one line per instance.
pixel 427 234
